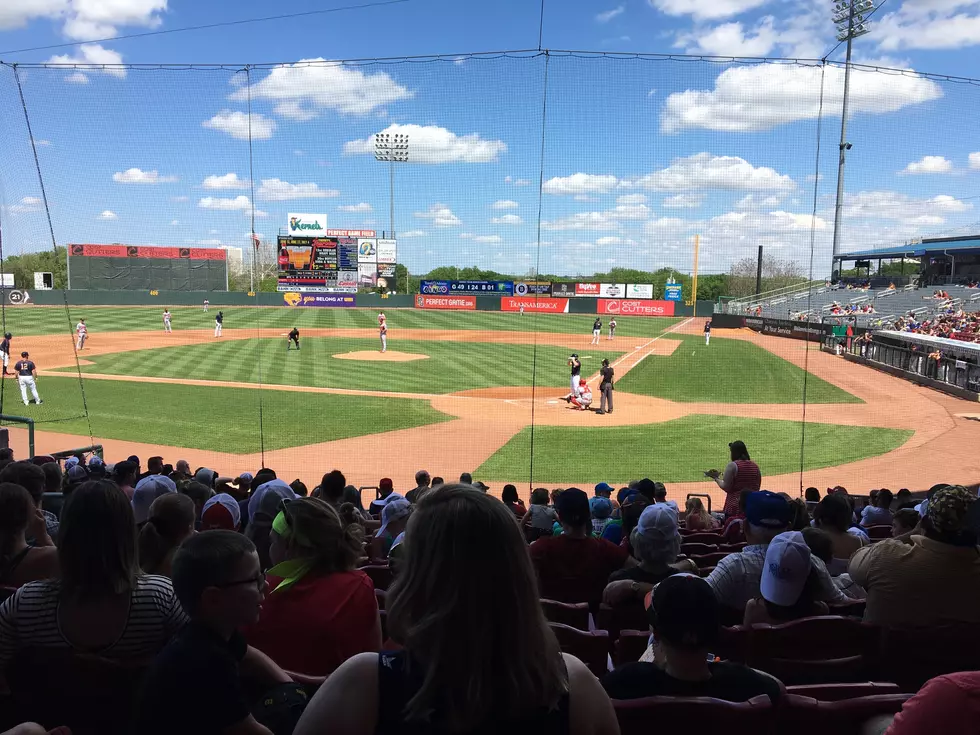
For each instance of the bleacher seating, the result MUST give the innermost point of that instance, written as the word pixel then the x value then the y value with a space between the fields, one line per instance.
pixel 807 716
pixel 695 716
pixel 590 646
pixel 574 614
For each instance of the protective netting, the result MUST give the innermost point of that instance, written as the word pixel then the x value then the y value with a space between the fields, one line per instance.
pixel 533 168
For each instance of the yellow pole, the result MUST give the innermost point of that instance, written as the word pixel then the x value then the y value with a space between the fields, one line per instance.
pixel 694 275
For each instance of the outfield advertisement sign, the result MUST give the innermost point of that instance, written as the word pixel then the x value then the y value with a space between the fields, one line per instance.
pixel 635 307
pixel 531 303
pixel 306 225
pixel 612 290
pixel 563 290
pixel 673 291
pixel 639 290
pixel 292 298
pixel 387 251
pixel 457 303
pixel 490 288
pixel 588 289
pixel 528 288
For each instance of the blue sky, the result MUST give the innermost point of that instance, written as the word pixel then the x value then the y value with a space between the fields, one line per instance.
pixel 640 154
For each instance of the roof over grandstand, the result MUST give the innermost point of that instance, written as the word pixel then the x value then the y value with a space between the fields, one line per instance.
pixel 933 246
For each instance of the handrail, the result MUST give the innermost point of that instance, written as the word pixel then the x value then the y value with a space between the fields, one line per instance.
pixel 803 285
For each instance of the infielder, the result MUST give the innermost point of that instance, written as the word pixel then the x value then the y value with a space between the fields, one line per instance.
pixel 81 331
pixel 27 377
pixel 292 338
pixel 206 305
pixel 612 328
pixel 166 321
pixel 219 320
pixel 383 331
pixel 707 332
pixel 596 330
pixel 576 366
pixel 5 351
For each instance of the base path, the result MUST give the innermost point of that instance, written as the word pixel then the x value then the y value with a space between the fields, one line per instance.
pixel 941 448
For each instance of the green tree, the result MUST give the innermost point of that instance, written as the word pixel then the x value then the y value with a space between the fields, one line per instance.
pixel 46 261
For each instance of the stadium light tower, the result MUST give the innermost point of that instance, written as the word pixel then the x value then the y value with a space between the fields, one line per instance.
pixel 391 148
pixel 850 17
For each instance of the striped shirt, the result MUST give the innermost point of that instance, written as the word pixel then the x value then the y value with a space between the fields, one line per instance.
pixel 29 618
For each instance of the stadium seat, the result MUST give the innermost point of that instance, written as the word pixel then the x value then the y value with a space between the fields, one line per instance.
pixel 380 574
pixel 702 538
pixel 851 608
pixel 709 560
pixel 912 657
pixel 809 716
pixel 630 646
pixel 621 617
pixel 573 614
pixel 695 716
pixel 837 692
pixel 733 547
pixel 590 646
pixel 695 548
pixel 53 502
pixel 877 533
pixel 705 571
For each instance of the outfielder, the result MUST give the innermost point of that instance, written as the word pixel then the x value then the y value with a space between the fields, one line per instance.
pixel 576 366
pixel 383 331
pixel 582 398
pixel 166 321
pixel 5 351
pixel 206 305
pixel 612 328
pixel 292 338
pixel 522 308
pixel 596 330
pixel 219 320
pixel 707 332
pixel 81 331
pixel 27 377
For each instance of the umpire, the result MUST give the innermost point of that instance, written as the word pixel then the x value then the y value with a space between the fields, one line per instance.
pixel 293 337
pixel 605 388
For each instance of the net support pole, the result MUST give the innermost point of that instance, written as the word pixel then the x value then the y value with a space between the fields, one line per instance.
pixel 30 429
pixel 758 272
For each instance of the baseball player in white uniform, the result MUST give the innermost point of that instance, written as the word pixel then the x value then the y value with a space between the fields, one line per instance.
pixel 612 328
pixel 383 330
pixel 81 332
pixel 166 321
pixel 522 308
pixel 27 377
pixel 206 305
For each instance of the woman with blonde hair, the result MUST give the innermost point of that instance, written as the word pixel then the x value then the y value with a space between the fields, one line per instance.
pixel 478 654
pixel 313 580
pixel 699 519
pixel 171 520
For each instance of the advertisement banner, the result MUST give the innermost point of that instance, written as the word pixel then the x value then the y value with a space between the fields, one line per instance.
pixel 387 251
pixel 306 224
pixel 434 287
pixel 386 270
pixel 459 303
pixel 530 303
pixel 639 290
pixel 586 289
pixel 367 275
pixel 635 307
pixel 563 290
pixel 293 298
pixel 612 290
pixel 347 279
pixel 349 233
pixel 525 288
pixel 793 330
pixel 673 291
pixel 347 253
pixel 320 286
pixel 142 251
pixel 367 250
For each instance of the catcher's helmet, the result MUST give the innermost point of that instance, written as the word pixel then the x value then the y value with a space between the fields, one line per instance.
pixel 8 335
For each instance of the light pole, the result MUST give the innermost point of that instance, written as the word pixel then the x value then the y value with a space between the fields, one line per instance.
pixel 849 15
pixel 392 148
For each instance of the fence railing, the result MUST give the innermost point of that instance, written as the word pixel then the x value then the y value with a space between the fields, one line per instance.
pixel 957 373
pixel 736 305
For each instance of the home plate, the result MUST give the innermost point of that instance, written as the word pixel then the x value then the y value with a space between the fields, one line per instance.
pixel 550 402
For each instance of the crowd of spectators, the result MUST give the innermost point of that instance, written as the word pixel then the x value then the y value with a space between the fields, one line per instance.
pixel 245 590
pixel 950 323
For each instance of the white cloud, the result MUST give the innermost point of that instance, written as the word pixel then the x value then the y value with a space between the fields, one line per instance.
pixel 208 243
pixel 92 57
pixel 238 204
pixel 612 240
pixel 441 216
pixel 235 124
pixel 893 205
pixel 629 211
pixel 608 15
pixel 516 182
pixel 508 204
pixel 26 205
pixel 682 201
pixel 303 89
pixel 88 19
pixel 731 39
pixel 929 25
pixel 929 165
pixel 138 176
pixel 580 183
pixel 488 238
pixel 174 223
pixel 582 221
pixel 706 171
pixel 759 201
pixel 16 14
pixel 975 160
pixel 359 207
pixel 224 181
pixel 276 190
pixel 413 233
pixel 466 235
pixel 700 10
pixel 106 214
pixel 43 143
pixel 507 219
pixel 632 199
pixel 77 78
pixel 432 144
pixel 756 98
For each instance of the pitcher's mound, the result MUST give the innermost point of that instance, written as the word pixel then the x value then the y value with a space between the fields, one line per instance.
pixel 389 356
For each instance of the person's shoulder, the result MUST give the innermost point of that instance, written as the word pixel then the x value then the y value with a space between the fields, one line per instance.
pixel 633 680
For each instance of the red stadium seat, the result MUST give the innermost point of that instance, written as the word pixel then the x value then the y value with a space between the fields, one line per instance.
pixel 877 533
pixel 808 716
pixel 733 547
pixel 630 646
pixel 695 716
pixel 702 538
pixel 695 548
pixel 567 613
pixel 591 647
pixel 837 692
pixel 622 617
pixel 705 571
pixel 709 560
pixel 851 608
pixel 912 657
pixel 380 574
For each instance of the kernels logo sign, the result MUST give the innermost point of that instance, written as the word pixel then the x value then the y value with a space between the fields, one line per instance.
pixel 307 224
pixel 292 299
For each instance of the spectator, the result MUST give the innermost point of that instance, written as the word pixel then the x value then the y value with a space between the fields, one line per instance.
pixel 904 521
pixel 205 476
pixel 741 473
pixel 221 512
pixel 75 476
pixel 125 473
pixel 481 486
pixel 154 466
pixel 171 520
pixel 574 567
pixel 131 458
pixel 386 492
pixel 353 496
pixel 833 515
pixel 932 581
pixel 685 619
pixel 394 519
pixel 220 585
pixel 52 477
pixel 96 467
pixel 660 496
pixel 788 585
pixel 513 677
pixel 102 602
pixel 466 478
pixel 947 704
pixel 601 509
pixel 332 488
pixel 643 494
pixel 540 517
pixel 512 501
pixel 903 499
pixel 437 481
pixel 878 514
pixel 19 562
pixel 801 517
pixel 263 507
pixel 422 481
pixel 31 477
pixel 183 468
pixel 314 580
pixel 147 490
pixel 656 543
pixel 698 518
pixel 811 495
pixel 820 544
pixel 734 529
pixel 199 493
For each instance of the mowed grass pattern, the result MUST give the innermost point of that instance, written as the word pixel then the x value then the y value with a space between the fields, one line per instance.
pixel 681 450
pixel 31 320
pixel 728 371
pixel 450 367
pixel 214 418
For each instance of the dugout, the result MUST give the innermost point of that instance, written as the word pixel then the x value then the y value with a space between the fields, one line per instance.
pixel 141 268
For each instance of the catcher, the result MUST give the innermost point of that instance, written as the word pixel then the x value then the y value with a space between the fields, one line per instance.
pixel 581 398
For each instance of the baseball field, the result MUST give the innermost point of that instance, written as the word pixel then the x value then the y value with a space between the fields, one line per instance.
pixel 477 392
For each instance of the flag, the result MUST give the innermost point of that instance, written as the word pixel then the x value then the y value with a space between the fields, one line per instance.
pixel 255 240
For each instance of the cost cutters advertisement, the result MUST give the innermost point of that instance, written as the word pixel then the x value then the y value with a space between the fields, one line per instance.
pixel 633 307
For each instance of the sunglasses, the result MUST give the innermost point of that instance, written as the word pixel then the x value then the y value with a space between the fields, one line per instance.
pixel 258 580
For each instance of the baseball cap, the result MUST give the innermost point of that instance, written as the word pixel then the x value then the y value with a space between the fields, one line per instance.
pixel 481 486
pixel 952 513
pixel 146 491
pixel 684 611
pixel 603 487
pixel 767 510
pixel 786 569
pixel 658 525
pixel 221 511
pixel 385 483
pixel 276 487
pixel 77 473
pixel 601 508
pixel 206 476
pixel 95 460
pixel 572 507
pixel 393 511
pixel 71 462
pixel 646 487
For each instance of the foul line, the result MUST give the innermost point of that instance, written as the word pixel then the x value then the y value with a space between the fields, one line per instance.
pixel 641 347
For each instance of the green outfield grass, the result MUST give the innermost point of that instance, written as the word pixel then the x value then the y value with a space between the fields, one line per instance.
pixel 680 450
pixel 29 320
pixel 214 418
pixel 450 367
pixel 727 371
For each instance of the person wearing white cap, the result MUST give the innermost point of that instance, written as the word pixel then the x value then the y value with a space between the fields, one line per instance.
pixel 146 491
pixel 394 518
pixel 221 511
pixel 787 584
pixel 656 543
